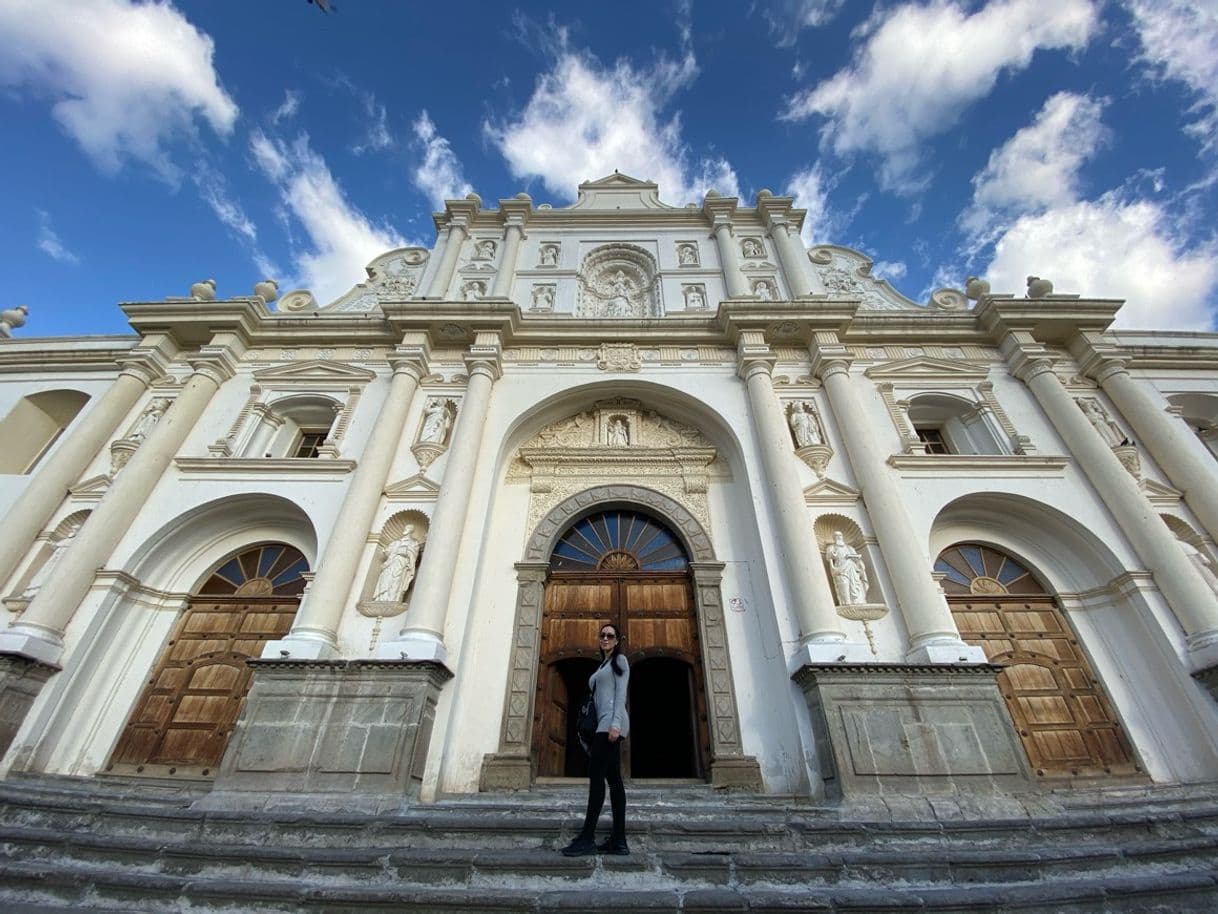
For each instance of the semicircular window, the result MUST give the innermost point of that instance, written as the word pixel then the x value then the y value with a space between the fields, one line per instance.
pixel 615 541
pixel 270 570
pixel 971 568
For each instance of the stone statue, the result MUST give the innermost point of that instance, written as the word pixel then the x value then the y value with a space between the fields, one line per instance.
pixel 763 291
pixel 618 304
pixel 847 570
pixel 619 433
pixel 543 298
pixel 805 428
pixel 751 248
pixel 42 574
pixel 687 255
pixel 484 249
pixel 204 291
pixel 10 319
pixel 694 299
pixel 1109 431
pixel 436 419
pixel 549 255
pixel 148 418
pixel 1203 563
pixel 398 567
pixel 474 290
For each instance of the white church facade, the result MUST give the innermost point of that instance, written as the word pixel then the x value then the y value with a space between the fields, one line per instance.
pixel 355 551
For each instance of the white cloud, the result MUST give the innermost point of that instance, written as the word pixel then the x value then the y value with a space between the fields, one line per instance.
pixel 49 242
pixel 438 176
pixel 889 269
pixel 786 18
pixel 288 108
pixel 1112 248
pixel 342 239
pixel 1038 166
pixel 1180 41
pixel 810 188
pixel 918 67
pixel 214 191
pixel 585 120
pixel 125 78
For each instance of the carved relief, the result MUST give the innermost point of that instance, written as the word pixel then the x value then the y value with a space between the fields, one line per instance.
pixel 687 254
pixel 752 248
pixel 438 416
pixel 543 297
pixel 695 297
pixel 395 274
pixel 484 249
pixel 473 289
pixel 547 255
pixel 841 541
pixel 619 357
pixel 618 281
pixel 399 550
pixel 1101 422
pixel 765 289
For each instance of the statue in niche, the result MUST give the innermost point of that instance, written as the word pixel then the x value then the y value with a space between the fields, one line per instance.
pixel 804 425
pixel 543 298
pixel 398 567
pixel 474 290
pixel 1109 430
pixel 687 255
pixel 148 418
pixel 619 432
pixel 847 570
pixel 694 299
pixel 549 255
pixel 762 290
pixel 484 249
pixel 1202 562
pixel 751 248
pixel 42 574
pixel 618 303
pixel 436 420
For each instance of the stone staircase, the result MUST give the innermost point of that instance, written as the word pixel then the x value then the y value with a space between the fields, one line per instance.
pixel 118 845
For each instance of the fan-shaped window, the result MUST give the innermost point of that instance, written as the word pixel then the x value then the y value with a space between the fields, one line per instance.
pixel 618 541
pixel 949 425
pixel 273 570
pixel 34 424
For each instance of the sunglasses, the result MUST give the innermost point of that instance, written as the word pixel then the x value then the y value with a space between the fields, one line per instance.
pixel 607 636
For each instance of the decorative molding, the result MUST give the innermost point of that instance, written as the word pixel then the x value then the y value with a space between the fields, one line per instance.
pixel 978 464
pixel 413 488
pixel 830 493
pixel 313 373
pixel 924 368
pixel 261 467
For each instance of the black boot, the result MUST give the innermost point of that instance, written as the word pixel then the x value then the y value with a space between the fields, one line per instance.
pixel 582 846
pixel 614 845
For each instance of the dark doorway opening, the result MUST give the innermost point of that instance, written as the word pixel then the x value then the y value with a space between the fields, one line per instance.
pixel 574 673
pixel 662 727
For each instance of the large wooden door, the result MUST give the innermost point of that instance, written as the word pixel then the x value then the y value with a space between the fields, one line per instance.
pixel 1057 704
pixel 625 568
pixel 194 695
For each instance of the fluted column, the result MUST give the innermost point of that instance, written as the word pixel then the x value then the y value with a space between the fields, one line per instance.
pixel 422 638
pixel 39 631
pixel 315 628
pixel 46 490
pixel 933 635
pixel 515 214
pixel 1195 605
pixel 793 257
pixel 1167 440
pixel 821 634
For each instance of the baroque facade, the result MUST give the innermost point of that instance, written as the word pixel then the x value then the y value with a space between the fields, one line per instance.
pixel 857 543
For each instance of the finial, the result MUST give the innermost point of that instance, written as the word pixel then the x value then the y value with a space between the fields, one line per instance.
pixel 204 291
pixel 267 290
pixel 1039 288
pixel 10 319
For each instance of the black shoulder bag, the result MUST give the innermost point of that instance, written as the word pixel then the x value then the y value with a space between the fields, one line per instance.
pixel 585 724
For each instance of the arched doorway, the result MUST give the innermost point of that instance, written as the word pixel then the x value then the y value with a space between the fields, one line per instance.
pixel 1058 706
pixel 194 695
pixel 623 566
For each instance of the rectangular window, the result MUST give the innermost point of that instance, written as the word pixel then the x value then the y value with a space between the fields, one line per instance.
pixel 933 440
pixel 310 441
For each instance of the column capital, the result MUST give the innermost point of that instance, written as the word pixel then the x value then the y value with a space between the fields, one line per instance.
pixel 753 354
pixel 516 211
pixel 1108 368
pixel 412 355
pixel 485 355
pixel 719 210
pixel 532 572
pixel 1029 368
pixel 150 359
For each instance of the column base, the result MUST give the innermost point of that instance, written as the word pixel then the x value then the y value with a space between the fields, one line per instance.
pixel 300 648
pixel 32 645
pixel 816 653
pixel 946 652
pixel 354 733
pixel 1202 651
pixel 913 730
pixel 505 772
pixel 413 646
pixel 21 679
pixel 1208 677
pixel 738 772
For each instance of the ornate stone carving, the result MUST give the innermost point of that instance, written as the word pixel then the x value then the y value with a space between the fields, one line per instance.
pixel 687 254
pixel 473 289
pixel 1101 422
pixel 751 248
pixel 547 254
pixel 695 297
pixel 148 418
pixel 847 570
pixel 618 281
pixel 438 417
pixel 619 357
pixel 805 423
pixel 765 289
pixel 543 297
pixel 398 565
pixel 484 249
pixel 298 300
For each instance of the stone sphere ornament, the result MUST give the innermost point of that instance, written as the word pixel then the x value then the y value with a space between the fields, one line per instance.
pixel 1039 288
pixel 976 288
pixel 267 290
pixel 11 319
pixel 204 291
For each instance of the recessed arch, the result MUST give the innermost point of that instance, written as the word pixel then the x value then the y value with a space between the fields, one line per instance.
pixel 34 424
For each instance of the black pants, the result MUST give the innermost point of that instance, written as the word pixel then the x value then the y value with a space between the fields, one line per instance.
pixel 605 763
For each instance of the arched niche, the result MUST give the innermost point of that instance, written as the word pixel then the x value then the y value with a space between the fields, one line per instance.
pixel 945 423
pixel 512 766
pixel 619 281
pixel 33 426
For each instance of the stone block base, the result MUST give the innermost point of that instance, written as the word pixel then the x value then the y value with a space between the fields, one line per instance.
pixel 900 729
pixel 21 679
pixel 739 772
pixel 357 728
pixel 505 772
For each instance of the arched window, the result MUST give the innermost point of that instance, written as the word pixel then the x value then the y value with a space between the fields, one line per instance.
pixel 296 426
pixel 1200 412
pixel 33 426
pixel 949 425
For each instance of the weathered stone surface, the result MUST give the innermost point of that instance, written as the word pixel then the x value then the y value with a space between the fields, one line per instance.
pixel 21 679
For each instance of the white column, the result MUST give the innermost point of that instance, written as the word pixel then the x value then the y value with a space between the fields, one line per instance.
pixel 438 288
pixel 821 635
pixel 793 257
pixel 39 631
pixel 513 234
pixel 314 633
pixel 47 489
pixel 1167 440
pixel 933 635
pixel 1195 605
pixel 422 638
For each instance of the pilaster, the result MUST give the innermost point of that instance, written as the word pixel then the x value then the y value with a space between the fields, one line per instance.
pixel 720 211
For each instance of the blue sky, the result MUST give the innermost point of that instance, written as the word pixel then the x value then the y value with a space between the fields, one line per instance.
pixel 150 145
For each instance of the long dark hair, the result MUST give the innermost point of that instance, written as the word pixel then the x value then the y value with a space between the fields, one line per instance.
pixel 617 648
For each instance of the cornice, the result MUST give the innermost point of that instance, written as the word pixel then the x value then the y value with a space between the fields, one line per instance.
pixel 264 467
pixel 191 323
pixel 1057 319
pixel 63 355
pixel 972 465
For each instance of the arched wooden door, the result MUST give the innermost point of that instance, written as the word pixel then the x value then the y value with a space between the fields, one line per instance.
pixel 1058 706
pixel 625 567
pixel 193 697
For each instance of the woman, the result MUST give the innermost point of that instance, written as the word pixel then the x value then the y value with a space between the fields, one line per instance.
pixel 609 686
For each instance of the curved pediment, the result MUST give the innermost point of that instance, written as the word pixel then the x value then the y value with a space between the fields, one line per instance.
pixel 615 425
pixel 619 192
